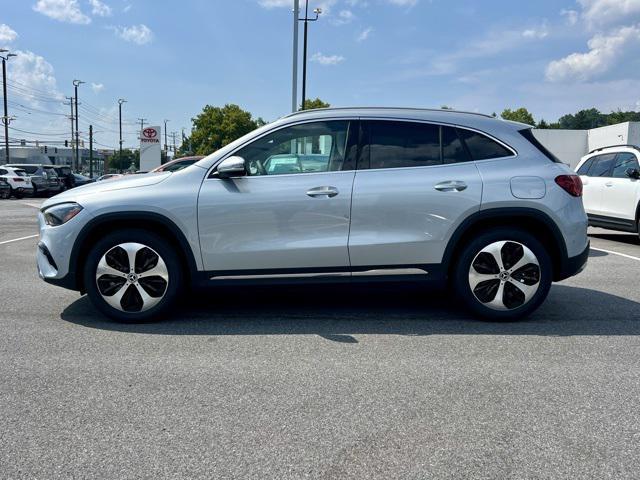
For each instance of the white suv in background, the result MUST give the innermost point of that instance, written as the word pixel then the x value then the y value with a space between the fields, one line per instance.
pixel 611 179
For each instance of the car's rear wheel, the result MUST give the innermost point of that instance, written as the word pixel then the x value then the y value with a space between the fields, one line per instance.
pixel 503 274
pixel 132 276
pixel 17 193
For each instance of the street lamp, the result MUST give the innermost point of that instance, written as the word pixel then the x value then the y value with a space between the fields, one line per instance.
pixel 76 84
pixel 306 21
pixel 120 102
pixel 5 119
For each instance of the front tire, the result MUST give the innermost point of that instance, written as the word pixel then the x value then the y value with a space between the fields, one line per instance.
pixel 503 274
pixel 132 276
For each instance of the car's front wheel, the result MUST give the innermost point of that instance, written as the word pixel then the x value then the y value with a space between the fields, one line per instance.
pixel 503 274
pixel 132 276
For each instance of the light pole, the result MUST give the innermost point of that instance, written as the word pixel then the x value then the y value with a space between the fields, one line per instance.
pixel 166 152
pixel 5 119
pixel 306 21
pixel 294 82
pixel 120 102
pixel 76 84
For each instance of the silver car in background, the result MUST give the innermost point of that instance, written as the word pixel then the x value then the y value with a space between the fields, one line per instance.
pixel 353 194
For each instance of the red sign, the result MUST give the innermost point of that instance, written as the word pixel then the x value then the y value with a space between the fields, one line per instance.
pixel 149 133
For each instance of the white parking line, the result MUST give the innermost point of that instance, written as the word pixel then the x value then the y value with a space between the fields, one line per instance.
pixel 616 253
pixel 18 239
pixel 37 205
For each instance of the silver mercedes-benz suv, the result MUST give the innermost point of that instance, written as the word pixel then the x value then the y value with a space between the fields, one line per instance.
pixel 353 194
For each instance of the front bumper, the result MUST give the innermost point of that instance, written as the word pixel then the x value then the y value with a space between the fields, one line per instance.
pixel 574 265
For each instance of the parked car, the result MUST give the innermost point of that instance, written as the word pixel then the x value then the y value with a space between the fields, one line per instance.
pixel 66 175
pixel 429 195
pixel 5 188
pixel 82 180
pixel 56 184
pixel 18 181
pixel 38 176
pixel 611 178
pixel 109 176
pixel 177 164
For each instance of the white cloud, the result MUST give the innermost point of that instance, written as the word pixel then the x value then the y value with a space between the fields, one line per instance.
pixel 602 12
pixel 127 8
pixel 31 71
pixel 327 59
pixel 100 9
pixel 571 16
pixel 403 3
pixel 604 50
pixel 97 87
pixel 7 34
pixel 140 34
pixel 537 33
pixel 62 10
pixel 364 34
pixel 344 17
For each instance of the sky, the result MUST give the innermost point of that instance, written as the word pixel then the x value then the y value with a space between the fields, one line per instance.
pixel 170 59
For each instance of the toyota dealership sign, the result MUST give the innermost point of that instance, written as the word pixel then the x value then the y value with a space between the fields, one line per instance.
pixel 150 148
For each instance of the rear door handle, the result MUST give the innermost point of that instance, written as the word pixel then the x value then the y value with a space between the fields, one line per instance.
pixel 451 186
pixel 319 192
pixel 608 184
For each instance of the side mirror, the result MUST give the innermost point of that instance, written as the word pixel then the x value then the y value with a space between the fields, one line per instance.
pixel 633 173
pixel 232 167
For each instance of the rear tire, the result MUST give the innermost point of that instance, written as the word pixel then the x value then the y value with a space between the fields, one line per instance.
pixel 17 194
pixel 133 276
pixel 503 274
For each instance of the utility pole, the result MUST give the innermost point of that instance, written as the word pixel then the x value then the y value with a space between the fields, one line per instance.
pixel 90 151
pixel 294 81
pixel 76 84
pixel 5 119
pixel 166 152
pixel 120 102
pixel 306 21
pixel 142 120
pixel 71 117
pixel 173 134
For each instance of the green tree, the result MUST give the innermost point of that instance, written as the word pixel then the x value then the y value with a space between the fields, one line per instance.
pixel 123 163
pixel 583 120
pixel 521 115
pixel 317 103
pixel 216 127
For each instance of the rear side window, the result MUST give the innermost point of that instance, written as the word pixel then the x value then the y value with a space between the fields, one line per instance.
pixel 453 150
pixel 482 147
pixel 528 134
pixel 584 168
pixel 601 165
pixel 30 170
pixel 403 144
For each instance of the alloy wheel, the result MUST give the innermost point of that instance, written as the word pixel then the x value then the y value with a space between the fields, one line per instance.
pixel 504 275
pixel 131 277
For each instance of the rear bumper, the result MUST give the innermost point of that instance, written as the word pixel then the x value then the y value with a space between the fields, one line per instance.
pixel 574 265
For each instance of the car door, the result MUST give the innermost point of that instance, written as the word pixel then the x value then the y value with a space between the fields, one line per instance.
pixel 290 213
pixel 593 179
pixel 620 192
pixel 414 184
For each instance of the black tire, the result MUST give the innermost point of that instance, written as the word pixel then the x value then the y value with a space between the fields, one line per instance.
pixel 35 190
pixel 156 244
pixel 17 194
pixel 513 295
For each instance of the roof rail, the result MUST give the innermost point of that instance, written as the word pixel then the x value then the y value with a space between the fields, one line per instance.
pixel 635 147
pixel 445 110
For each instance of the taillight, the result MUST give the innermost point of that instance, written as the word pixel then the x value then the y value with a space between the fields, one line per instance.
pixel 18 179
pixel 570 184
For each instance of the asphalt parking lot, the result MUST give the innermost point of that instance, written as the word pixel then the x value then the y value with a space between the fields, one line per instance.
pixel 312 382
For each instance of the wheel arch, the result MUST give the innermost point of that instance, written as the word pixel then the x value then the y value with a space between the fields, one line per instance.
pixel 149 221
pixel 537 223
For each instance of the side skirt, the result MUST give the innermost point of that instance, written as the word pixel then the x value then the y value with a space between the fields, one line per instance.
pixel 612 223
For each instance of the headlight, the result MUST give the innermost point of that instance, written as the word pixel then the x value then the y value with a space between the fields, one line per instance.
pixel 61 213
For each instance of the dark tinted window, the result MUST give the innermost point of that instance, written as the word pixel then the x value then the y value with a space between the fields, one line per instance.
pixel 29 169
pixel 482 147
pixel 3 171
pixel 403 144
pixel 601 165
pixel 584 169
pixel 528 134
pixel 453 150
pixel 624 161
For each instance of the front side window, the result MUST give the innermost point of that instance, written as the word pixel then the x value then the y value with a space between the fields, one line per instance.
pixel 305 148
pixel 601 165
pixel 624 161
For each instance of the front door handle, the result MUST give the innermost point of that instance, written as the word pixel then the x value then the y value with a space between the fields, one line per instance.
pixel 319 192
pixel 451 186
pixel 608 184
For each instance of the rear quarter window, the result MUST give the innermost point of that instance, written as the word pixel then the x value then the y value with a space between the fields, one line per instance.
pixel 482 147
